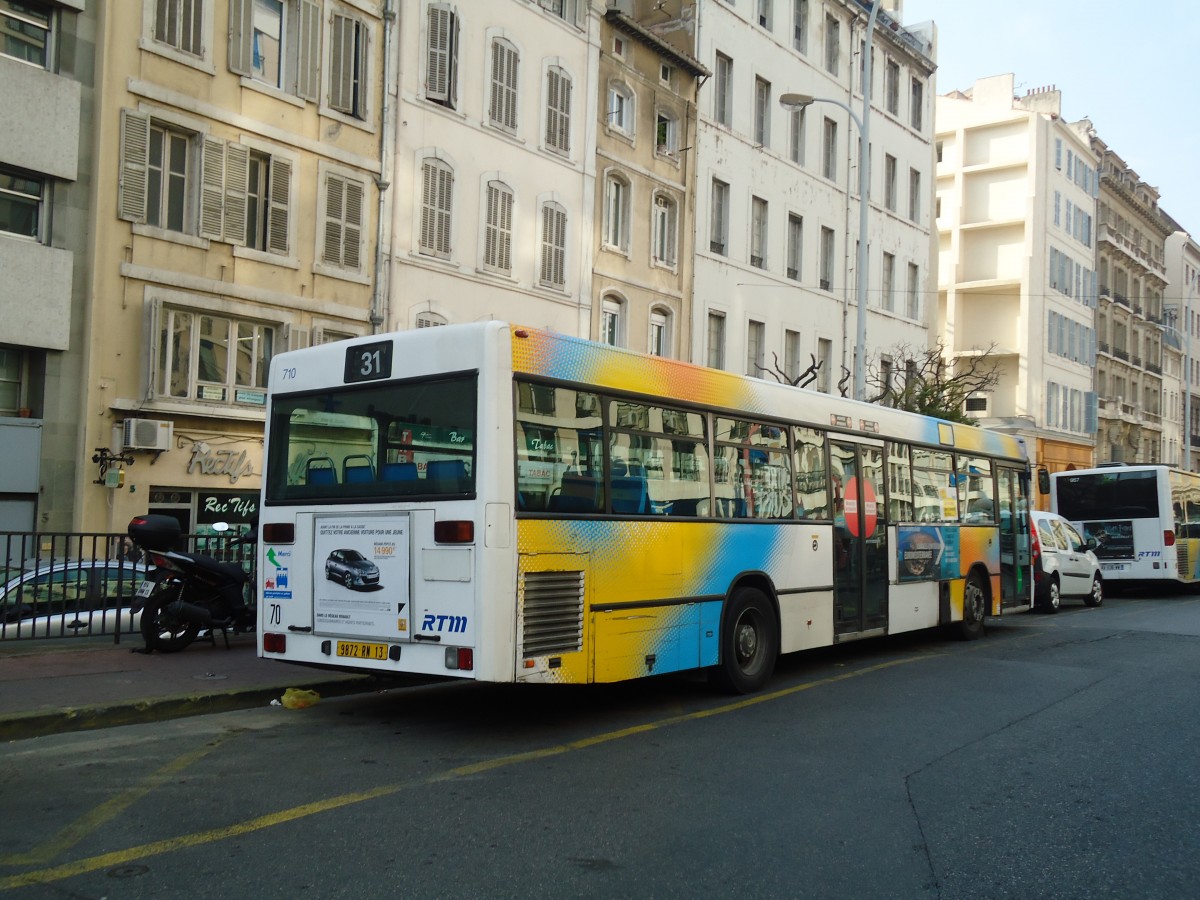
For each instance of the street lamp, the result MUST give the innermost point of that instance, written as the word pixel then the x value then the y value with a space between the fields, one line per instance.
pixel 795 102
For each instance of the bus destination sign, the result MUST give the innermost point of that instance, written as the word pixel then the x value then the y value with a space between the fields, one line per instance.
pixel 368 362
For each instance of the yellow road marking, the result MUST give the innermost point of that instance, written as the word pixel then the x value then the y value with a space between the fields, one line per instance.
pixel 260 823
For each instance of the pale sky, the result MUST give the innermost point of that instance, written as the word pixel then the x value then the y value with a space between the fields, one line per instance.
pixel 1132 68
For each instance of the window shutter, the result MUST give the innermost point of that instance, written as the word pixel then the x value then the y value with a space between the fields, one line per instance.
pixel 428 175
pixel 296 338
pixel 341 64
pixel 564 114
pixel 334 190
pixel 212 188
pixel 505 248
pixel 452 70
pixel 554 241
pixel 308 74
pixel 436 198
pixel 352 229
pixel 279 212
pixel 135 159
pixel 438 75
pixel 237 180
pixel 491 237
pixel 241 37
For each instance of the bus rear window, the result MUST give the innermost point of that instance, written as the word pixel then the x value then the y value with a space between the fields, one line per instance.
pixel 377 442
pixel 1129 495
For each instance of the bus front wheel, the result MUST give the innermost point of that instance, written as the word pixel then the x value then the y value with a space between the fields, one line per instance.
pixel 749 642
pixel 974 608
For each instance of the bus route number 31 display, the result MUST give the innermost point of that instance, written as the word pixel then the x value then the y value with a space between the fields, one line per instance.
pixel 368 362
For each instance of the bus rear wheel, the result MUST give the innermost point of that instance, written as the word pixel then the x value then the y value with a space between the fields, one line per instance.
pixel 974 608
pixel 749 642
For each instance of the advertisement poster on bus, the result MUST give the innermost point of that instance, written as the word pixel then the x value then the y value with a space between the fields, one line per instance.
pixel 927 553
pixel 360 576
pixel 1114 539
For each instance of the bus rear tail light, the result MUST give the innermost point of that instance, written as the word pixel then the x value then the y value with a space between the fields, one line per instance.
pixel 1035 549
pixel 279 533
pixel 274 643
pixel 1169 538
pixel 460 658
pixel 455 531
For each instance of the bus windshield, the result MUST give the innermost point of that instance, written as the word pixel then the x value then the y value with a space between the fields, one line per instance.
pixel 374 442
pixel 1090 496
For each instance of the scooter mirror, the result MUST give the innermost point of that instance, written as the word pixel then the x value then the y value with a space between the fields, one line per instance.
pixel 220 527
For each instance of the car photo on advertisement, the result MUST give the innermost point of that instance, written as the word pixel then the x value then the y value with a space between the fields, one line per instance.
pixel 351 569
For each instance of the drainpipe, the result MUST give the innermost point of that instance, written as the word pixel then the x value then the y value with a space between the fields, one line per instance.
pixel 383 181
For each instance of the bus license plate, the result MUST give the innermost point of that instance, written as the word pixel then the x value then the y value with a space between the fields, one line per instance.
pixel 145 589
pixel 358 650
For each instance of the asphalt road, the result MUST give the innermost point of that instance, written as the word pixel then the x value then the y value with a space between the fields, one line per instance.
pixel 1054 758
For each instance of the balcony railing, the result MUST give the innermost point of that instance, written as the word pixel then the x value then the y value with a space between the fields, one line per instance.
pixel 1102 346
pixel 1120 298
pixel 1121 354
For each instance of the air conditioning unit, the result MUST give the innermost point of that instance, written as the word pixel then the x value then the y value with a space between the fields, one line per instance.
pixel 978 405
pixel 147 434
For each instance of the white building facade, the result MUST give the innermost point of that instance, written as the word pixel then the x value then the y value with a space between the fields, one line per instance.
pixel 495 163
pixel 777 190
pixel 1181 307
pixel 1016 215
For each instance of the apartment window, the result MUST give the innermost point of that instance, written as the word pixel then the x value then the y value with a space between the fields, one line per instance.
pixel 156 174
pixel 553 272
pixel 824 364
pixel 611 322
pixel 755 339
pixel 889 182
pixel 917 104
pixel 437 203
pixel 660 333
pixel 762 112
pixel 502 101
pixel 344 221
pixel 213 358
pixel 12 372
pixel 891 87
pixel 558 110
pixel 800 25
pixel 914 195
pixel 666 134
pixel 714 356
pixel 620 108
pixel 177 23
pixel 665 218
pixel 719 224
pixel 888 299
pixel 796 136
pixel 348 66
pixel 763 12
pixel 914 292
pixel 829 150
pixel 1058 149
pixel 722 105
pixel 791 355
pixel 616 213
pixel 20 204
pixel 441 57
pixel 276 42
pixel 758 232
pixel 833 39
pixel 795 247
pixel 827 259
pixel 567 10
pixel 268 198
pixel 497 228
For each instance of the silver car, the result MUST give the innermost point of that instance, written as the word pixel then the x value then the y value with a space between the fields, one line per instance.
pixel 1063 564
pixel 70 597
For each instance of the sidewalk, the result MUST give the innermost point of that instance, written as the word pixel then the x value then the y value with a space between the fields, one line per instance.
pixel 76 684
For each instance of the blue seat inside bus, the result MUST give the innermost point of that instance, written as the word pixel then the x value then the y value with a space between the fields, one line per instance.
pixel 629 496
pixel 398 471
pixel 446 470
pixel 579 493
pixel 357 469
pixel 320 470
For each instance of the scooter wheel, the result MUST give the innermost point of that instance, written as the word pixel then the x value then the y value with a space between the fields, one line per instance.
pixel 162 631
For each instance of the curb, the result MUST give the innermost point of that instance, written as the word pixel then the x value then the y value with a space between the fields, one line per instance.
pixel 23 726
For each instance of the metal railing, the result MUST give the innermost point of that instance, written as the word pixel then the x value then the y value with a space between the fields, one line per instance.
pixel 68 584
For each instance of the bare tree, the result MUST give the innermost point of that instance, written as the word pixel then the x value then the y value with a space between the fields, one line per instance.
pixel 926 381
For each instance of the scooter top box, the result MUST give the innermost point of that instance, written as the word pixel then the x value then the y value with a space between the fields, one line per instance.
pixel 155 532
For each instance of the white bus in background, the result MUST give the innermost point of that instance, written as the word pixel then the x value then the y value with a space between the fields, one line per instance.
pixel 1145 520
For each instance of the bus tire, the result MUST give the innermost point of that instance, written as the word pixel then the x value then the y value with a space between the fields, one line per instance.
pixel 974 608
pixel 1096 595
pixel 749 642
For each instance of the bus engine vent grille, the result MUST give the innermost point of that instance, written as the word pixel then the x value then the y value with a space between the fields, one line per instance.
pixel 552 606
pixel 1181 559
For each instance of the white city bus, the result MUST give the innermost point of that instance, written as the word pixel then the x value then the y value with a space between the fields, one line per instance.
pixel 1145 520
pixel 500 503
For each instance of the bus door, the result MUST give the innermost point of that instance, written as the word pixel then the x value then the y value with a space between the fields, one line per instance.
pixel 1012 495
pixel 860 531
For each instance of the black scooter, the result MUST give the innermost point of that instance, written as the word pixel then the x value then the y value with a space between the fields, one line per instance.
pixel 187 592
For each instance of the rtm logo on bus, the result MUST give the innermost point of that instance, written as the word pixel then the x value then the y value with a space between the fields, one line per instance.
pixel 450 624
